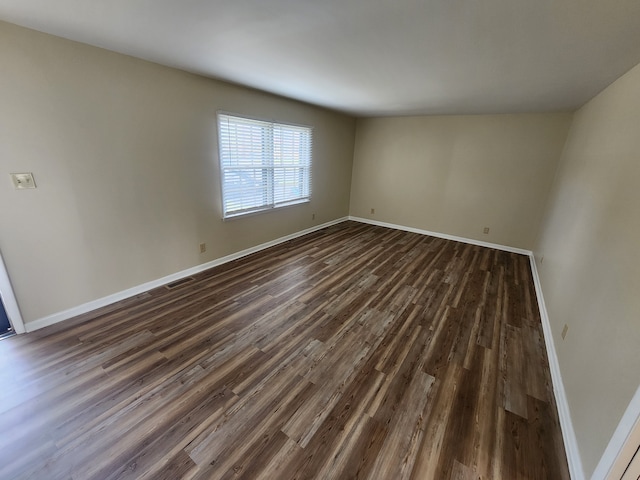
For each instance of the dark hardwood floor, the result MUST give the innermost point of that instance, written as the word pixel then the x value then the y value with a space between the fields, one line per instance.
pixel 352 352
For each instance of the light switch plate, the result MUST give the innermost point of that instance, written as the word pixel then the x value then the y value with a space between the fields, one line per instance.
pixel 23 180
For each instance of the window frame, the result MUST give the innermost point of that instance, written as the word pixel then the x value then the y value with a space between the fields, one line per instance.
pixel 270 203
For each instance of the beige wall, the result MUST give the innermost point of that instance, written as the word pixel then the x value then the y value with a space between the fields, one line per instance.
pixel 590 274
pixel 124 153
pixel 458 174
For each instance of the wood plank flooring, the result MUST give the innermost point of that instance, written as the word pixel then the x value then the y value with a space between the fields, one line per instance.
pixel 355 352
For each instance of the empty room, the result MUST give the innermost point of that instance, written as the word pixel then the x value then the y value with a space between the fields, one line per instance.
pixel 319 240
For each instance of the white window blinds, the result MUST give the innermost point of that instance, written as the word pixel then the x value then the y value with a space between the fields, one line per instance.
pixel 263 165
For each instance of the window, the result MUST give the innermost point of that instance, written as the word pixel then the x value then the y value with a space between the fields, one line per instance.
pixel 263 165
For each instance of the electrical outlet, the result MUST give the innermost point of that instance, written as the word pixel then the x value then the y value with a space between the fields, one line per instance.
pixel 203 247
pixel 313 216
pixel 373 211
pixel 486 230
pixel 564 330
pixel 541 259
pixel 23 180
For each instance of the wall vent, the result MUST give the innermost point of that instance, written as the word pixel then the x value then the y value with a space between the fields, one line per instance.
pixel 177 283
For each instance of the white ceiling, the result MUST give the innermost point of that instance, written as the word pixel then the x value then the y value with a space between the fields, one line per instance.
pixel 370 57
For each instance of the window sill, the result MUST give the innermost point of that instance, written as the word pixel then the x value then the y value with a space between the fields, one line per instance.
pixel 250 213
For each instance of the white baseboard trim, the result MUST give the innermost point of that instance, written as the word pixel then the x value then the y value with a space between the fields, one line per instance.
pixel 566 425
pixel 130 292
pixel 623 431
pixel 471 241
